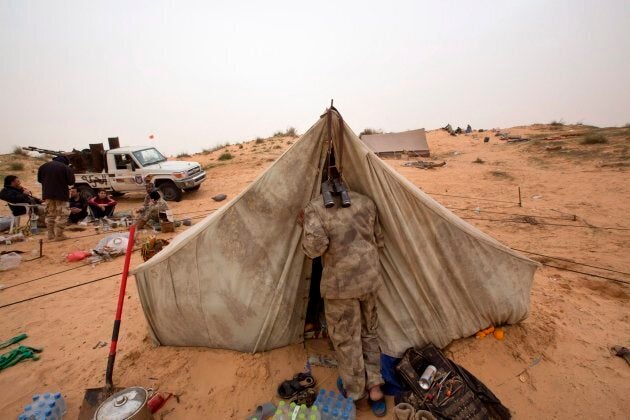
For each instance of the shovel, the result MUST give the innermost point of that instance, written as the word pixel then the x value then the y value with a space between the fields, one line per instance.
pixel 95 396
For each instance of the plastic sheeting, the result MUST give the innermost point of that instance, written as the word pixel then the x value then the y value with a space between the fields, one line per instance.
pixel 239 280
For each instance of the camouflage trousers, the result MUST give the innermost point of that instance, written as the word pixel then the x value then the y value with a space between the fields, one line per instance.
pixel 57 212
pixel 352 327
pixel 145 216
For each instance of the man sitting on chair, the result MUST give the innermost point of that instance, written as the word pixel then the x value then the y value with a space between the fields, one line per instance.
pixel 102 205
pixel 14 193
pixel 78 206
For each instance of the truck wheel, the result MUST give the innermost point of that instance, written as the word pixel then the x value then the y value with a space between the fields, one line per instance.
pixel 85 191
pixel 193 189
pixel 170 192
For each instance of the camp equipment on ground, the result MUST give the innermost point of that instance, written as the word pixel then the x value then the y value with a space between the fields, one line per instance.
pixel 454 393
pixel 18 354
pixel 94 396
pixel 127 404
pixel 426 380
pixel 13 340
pixel 238 278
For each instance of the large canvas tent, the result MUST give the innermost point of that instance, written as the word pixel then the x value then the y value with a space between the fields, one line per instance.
pixel 239 279
pixel 412 142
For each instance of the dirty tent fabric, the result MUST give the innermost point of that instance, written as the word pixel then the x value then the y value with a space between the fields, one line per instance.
pixel 239 279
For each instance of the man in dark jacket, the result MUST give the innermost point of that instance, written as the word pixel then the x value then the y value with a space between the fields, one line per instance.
pixel 78 206
pixel 14 192
pixel 55 177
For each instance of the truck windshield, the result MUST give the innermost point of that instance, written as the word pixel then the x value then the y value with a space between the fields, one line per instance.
pixel 149 156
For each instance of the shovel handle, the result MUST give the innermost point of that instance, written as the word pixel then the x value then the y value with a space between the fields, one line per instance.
pixel 121 300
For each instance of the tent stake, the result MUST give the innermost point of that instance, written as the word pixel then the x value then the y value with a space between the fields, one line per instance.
pixel 520 203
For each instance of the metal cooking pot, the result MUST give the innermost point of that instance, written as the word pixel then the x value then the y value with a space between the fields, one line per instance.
pixel 128 404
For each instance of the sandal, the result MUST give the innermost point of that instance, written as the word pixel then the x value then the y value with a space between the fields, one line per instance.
pixel 291 387
pixel 379 407
pixel 305 397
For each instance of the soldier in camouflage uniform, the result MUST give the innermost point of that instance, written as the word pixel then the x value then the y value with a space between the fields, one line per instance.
pixel 154 206
pixel 348 240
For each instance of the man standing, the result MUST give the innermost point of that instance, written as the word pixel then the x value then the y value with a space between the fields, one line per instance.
pixel 348 239
pixel 77 205
pixel 14 192
pixel 55 177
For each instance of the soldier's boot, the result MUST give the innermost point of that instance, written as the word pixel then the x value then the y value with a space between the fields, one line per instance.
pixel 59 236
pixel 51 232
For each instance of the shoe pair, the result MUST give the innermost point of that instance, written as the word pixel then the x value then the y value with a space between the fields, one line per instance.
pixel 404 411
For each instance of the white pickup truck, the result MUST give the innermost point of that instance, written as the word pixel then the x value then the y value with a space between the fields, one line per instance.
pixel 124 169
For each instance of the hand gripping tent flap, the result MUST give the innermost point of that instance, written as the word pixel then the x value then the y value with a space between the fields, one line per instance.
pixel 239 279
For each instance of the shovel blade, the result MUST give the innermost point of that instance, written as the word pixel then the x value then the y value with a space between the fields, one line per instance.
pixel 92 399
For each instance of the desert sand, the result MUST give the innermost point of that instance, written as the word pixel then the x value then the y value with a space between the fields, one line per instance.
pixel 554 364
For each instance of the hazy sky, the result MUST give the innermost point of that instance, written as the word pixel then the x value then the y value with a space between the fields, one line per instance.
pixel 197 74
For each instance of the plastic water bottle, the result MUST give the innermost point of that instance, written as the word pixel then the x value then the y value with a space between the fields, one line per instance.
pixel 48 415
pixel 339 404
pixel 280 415
pixel 27 414
pixel 326 412
pixel 52 405
pixel 283 407
pixel 61 403
pixel 335 414
pixel 315 412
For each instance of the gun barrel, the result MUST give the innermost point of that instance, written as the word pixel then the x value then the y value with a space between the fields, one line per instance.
pixel 48 152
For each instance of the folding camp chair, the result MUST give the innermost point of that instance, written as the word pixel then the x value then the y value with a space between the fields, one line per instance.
pixel 15 219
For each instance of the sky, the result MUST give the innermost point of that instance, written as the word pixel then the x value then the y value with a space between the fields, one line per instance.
pixel 198 74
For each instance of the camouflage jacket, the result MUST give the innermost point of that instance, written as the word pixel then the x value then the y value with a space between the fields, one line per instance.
pixel 159 206
pixel 348 240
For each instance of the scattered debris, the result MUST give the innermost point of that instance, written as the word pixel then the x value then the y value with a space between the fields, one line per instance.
pixel 152 246
pixel 486 139
pixel 99 345
pixel 622 352
pixel 536 197
pixel 109 247
pixel 553 148
pixel 320 360
pixel 526 219
pixel 9 239
pixel 9 261
pixel 219 197
pixel 423 164
pixel 516 139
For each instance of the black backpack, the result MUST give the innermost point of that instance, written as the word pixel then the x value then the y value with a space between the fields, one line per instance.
pixel 454 394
